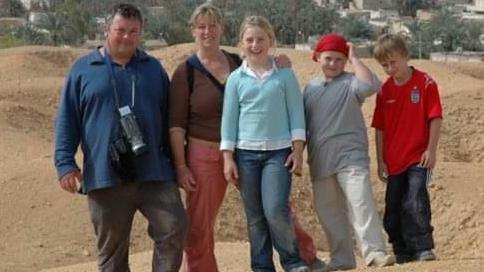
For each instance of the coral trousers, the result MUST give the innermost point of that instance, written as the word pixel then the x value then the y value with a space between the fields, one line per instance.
pixel 206 164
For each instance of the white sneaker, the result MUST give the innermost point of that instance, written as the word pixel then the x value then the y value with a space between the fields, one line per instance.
pixel 383 260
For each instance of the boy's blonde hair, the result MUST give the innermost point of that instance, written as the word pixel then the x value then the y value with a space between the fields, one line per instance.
pixel 389 44
pixel 258 21
pixel 206 9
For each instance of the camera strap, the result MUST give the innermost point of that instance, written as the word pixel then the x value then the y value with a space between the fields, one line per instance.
pixel 113 81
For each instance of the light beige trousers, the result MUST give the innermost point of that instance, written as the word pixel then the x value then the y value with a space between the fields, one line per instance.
pixel 344 201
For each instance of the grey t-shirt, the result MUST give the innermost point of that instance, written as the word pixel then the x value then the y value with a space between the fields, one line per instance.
pixel 336 130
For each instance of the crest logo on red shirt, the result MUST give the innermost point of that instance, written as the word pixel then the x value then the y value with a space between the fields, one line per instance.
pixel 415 96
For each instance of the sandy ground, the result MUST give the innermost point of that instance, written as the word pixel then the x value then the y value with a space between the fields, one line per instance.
pixel 234 257
pixel 42 227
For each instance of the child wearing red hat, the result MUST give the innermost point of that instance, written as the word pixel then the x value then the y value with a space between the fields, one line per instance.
pixel 338 155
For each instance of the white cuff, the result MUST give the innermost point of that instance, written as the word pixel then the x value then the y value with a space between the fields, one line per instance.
pixel 227 145
pixel 298 135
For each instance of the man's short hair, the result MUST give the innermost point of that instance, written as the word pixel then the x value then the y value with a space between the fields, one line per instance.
pixel 126 11
pixel 389 44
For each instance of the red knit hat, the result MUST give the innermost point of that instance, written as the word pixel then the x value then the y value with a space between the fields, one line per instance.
pixel 330 42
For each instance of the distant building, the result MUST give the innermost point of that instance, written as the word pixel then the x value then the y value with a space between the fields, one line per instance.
pixel 360 14
pixel 8 24
pixel 457 56
pixel 375 4
pixel 36 17
pixel 323 3
pixel 475 11
pixel 36 5
pixel 478 6
pixel 319 2
pixel 454 2
pixel 382 14
pixel 424 15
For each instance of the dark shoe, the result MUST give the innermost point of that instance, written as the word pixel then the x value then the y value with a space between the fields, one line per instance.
pixel 318 265
pixel 426 255
pixel 404 258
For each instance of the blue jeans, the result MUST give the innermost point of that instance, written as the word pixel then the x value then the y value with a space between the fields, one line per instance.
pixel 407 211
pixel 265 187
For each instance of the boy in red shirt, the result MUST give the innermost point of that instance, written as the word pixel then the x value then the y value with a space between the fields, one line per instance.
pixel 407 119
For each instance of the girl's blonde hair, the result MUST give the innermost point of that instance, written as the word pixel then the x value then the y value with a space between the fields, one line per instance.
pixel 389 44
pixel 257 21
pixel 206 9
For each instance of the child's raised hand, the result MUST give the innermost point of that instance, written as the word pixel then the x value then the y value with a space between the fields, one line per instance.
pixel 351 51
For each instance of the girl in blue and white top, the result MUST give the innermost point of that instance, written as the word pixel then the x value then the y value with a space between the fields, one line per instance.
pixel 263 128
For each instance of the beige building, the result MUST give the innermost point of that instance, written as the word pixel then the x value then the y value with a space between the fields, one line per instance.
pixel 35 5
pixel 375 4
pixel 319 2
pixel 457 57
pixel 478 6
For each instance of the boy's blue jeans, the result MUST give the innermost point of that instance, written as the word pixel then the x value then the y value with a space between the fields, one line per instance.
pixel 265 186
pixel 407 211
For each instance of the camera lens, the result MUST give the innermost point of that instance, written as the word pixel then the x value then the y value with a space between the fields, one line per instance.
pixel 139 148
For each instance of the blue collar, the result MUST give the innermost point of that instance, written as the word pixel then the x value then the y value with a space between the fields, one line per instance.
pixel 95 57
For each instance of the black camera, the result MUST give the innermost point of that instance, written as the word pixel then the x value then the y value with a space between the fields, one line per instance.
pixel 131 131
pixel 127 146
pixel 122 159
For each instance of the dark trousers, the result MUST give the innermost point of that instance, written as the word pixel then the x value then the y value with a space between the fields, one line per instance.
pixel 112 211
pixel 407 211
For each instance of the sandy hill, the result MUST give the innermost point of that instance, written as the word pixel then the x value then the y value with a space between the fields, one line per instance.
pixel 42 227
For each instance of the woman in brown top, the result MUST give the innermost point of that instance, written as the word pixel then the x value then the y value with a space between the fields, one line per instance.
pixel 195 113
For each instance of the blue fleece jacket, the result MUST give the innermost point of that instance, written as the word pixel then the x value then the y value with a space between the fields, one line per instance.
pixel 260 114
pixel 87 116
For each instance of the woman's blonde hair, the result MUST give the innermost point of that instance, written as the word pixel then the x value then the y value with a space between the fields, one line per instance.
pixel 257 21
pixel 206 9
pixel 389 44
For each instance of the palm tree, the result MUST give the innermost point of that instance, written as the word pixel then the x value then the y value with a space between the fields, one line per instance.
pixel 12 8
pixel 473 30
pixel 448 28
pixel 55 28
pixel 30 34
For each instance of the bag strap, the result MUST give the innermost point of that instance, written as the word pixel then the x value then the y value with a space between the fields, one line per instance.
pixel 193 62
pixel 235 57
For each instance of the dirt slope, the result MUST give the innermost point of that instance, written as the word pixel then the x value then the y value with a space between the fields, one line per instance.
pixel 42 227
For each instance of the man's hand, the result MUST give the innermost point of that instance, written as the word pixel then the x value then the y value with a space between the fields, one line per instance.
pixel 71 181
pixel 185 178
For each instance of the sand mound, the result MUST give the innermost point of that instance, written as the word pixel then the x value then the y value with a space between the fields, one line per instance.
pixel 475 70
pixel 463 132
pixel 43 227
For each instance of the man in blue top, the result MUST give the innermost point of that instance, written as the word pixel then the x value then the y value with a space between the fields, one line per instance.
pixel 113 82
